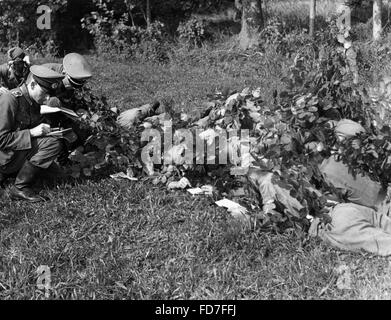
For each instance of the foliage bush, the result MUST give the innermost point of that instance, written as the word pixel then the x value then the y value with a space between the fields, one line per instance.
pixel 374 60
pixel 192 32
pixel 276 35
pixel 18 21
pixel 117 36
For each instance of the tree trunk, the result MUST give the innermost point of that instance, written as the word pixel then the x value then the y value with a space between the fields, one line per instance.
pixel 130 7
pixel 344 25
pixel 312 17
pixel 388 11
pixel 377 23
pixel 252 22
pixel 148 13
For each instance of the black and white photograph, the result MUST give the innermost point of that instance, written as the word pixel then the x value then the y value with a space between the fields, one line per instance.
pixel 196 154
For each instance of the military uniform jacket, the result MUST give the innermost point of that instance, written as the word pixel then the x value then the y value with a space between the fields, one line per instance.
pixel 18 114
pixel 8 78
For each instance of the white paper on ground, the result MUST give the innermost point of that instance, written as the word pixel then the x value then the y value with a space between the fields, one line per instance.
pixel 122 175
pixel 206 189
pixel 195 191
pixel 230 204
pixel 235 209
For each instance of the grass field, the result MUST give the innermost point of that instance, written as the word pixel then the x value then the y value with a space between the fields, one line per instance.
pixel 104 239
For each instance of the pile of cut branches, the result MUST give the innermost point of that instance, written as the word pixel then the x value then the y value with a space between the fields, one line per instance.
pixel 288 139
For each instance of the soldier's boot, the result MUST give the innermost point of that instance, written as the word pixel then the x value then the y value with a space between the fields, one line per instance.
pixel 23 182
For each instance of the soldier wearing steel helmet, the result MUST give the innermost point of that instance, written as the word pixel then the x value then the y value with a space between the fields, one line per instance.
pixel 15 71
pixel 25 147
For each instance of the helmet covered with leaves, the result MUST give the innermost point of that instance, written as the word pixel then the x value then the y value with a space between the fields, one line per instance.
pixel 17 61
pixel 346 128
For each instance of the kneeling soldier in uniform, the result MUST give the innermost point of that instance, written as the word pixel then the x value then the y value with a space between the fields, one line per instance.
pixel 24 147
pixel 15 71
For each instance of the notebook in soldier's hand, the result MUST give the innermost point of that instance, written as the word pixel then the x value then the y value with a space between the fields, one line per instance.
pixel 54 105
pixel 69 112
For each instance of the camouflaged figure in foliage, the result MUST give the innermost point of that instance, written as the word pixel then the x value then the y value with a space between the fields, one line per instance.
pixel 14 73
pixel 363 223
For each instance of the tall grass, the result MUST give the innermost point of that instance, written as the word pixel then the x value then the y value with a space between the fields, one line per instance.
pixel 296 12
pixel 299 8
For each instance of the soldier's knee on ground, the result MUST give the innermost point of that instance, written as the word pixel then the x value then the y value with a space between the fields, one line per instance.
pixel 47 150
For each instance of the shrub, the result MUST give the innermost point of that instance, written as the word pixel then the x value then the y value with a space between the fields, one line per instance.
pixel 374 59
pixel 276 36
pixel 192 32
pixel 115 36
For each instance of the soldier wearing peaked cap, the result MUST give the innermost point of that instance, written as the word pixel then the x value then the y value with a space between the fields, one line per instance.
pixel 76 71
pixel 25 148
pixel 15 71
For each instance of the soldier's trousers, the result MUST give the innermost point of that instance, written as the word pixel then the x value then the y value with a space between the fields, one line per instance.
pixel 42 154
pixel 354 227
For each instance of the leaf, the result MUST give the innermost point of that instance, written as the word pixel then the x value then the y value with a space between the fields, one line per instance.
pixel 255 116
pixel 149 168
pixel 284 95
pixel 78 157
pixel 87 172
pixel 95 117
pixel 373 153
pixel 240 214
pixel 268 123
pixel 75 171
pixel 302 115
pixel 175 155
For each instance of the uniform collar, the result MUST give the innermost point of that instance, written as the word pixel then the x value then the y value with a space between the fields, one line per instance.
pixel 26 95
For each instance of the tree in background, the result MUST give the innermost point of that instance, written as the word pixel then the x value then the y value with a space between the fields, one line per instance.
pixel 148 14
pixel 312 17
pixel 15 20
pixel 377 19
pixel 18 20
pixel 344 24
pixel 252 22
pixel 377 8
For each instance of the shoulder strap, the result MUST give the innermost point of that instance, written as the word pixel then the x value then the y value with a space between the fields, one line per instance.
pixel 16 92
